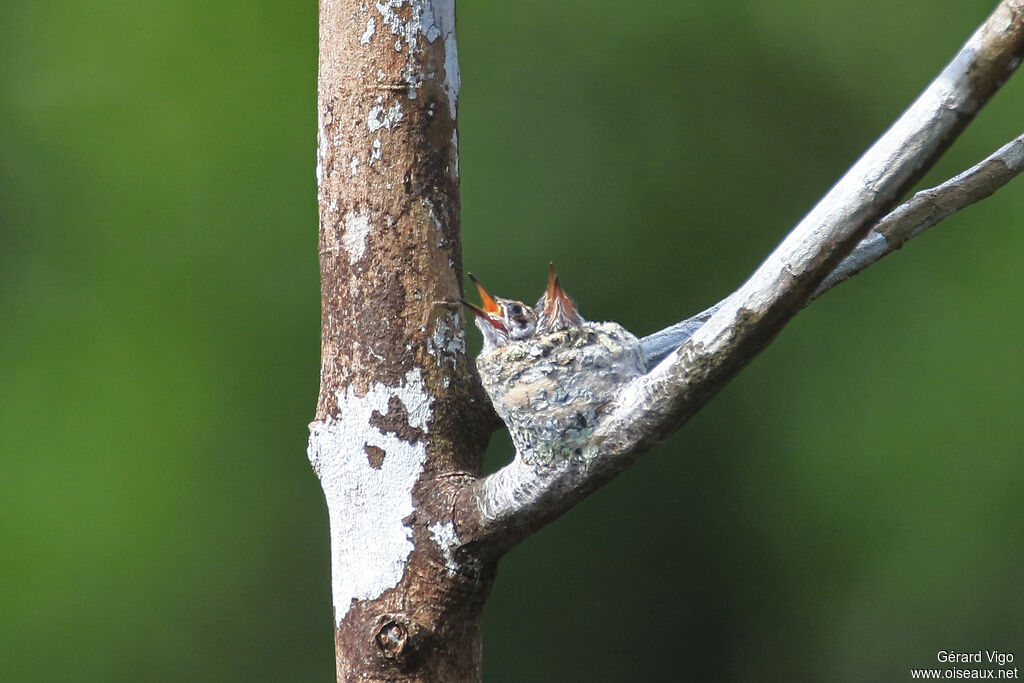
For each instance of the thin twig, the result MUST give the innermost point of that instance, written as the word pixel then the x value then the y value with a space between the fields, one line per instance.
pixel 928 208
pixel 924 210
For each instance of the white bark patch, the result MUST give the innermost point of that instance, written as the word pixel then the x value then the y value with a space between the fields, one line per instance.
pixel 371 27
pixel 357 227
pixel 437 223
pixel 1015 155
pixel 353 165
pixel 455 146
pixel 431 19
pixel 370 545
pixel 375 151
pixel 405 30
pixel 448 342
pixel 443 25
pixel 384 118
pixel 444 536
pixel 322 148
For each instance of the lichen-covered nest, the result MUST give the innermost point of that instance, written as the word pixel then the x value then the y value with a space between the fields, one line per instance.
pixel 551 390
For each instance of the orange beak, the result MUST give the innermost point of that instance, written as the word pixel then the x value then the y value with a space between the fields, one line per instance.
pixel 490 305
pixel 556 298
pixel 481 313
pixel 491 312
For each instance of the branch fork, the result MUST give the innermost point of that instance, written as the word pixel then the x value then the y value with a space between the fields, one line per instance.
pixel 848 230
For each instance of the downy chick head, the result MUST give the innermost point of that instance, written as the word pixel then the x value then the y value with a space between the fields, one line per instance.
pixel 556 310
pixel 501 320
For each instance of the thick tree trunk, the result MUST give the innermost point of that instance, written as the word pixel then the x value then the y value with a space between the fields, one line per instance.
pixel 399 429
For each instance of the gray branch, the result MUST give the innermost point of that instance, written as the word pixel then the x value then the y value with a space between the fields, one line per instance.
pixel 922 211
pixel 928 208
pixel 519 498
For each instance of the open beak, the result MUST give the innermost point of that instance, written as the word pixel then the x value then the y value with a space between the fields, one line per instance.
pixel 558 306
pixel 484 315
pixel 490 312
pixel 490 305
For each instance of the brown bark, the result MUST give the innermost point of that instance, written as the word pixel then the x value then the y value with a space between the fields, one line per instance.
pixel 389 252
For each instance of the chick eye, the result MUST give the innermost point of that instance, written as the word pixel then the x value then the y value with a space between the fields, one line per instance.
pixel 516 309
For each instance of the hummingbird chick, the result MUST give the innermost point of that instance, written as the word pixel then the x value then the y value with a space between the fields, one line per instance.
pixel 500 320
pixel 552 384
pixel 556 310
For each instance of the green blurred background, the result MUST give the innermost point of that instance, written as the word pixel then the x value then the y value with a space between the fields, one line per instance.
pixel 849 506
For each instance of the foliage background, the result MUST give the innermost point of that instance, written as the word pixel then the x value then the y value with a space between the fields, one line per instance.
pixel 845 509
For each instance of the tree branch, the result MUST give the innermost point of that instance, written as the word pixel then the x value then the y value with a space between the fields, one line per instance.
pixel 516 500
pixel 925 209
pixel 928 208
